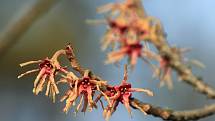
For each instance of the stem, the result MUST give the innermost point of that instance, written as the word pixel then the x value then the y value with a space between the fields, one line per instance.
pixel 167 114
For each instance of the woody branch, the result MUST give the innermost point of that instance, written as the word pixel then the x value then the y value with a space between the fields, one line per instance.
pixel 166 114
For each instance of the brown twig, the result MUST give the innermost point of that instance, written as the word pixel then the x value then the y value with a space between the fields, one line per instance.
pixel 184 72
pixel 17 28
pixel 75 64
pixel 73 60
pixel 167 114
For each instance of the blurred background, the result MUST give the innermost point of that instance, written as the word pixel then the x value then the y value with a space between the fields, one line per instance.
pixel 188 23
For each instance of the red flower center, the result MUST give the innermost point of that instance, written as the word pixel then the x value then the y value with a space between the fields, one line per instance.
pixel 137 47
pixel 111 91
pixel 46 63
pixel 85 82
pixel 121 29
pixel 124 88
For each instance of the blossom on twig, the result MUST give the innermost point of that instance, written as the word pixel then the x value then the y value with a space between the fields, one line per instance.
pixel 84 88
pixel 164 71
pixel 126 31
pixel 121 93
pixel 48 68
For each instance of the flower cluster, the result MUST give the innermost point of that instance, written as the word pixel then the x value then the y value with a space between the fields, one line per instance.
pixel 128 32
pixel 87 88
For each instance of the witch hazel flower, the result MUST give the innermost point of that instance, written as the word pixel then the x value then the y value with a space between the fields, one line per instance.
pixel 164 72
pixel 131 45
pixel 48 68
pixel 129 35
pixel 121 94
pixel 121 28
pixel 84 88
pixel 117 29
pixel 121 22
pixel 133 51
